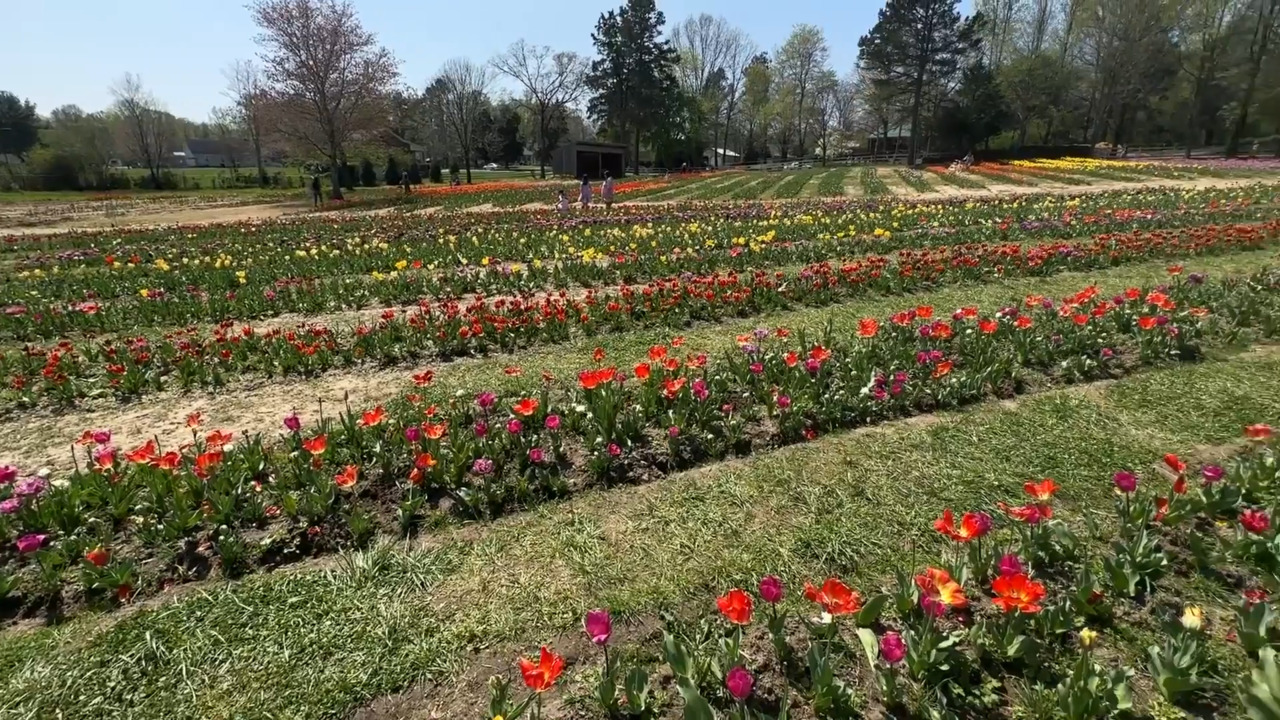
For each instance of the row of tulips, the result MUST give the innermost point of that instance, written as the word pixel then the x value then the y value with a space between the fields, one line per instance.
pixel 264 270
pixel 337 480
pixel 1018 601
pixel 129 367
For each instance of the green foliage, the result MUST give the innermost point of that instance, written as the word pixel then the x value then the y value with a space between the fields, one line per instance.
pixel 368 176
pixel 392 174
pixel 435 173
pixel 20 125
pixel 415 173
pixel 633 80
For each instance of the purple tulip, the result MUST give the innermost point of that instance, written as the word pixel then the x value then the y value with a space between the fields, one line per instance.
pixel 292 422
pixel 10 506
pixel 739 683
pixel 1010 565
pixel 812 366
pixel 31 543
pixel 412 434
pixel 482 466
pixel 1125 481
pixel 892 648
pixel 486 400
pixel 599 626
pixel 771 589
pixel 29 487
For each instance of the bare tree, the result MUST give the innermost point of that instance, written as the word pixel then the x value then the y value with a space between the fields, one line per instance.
pixel 463 84
pixel 552 82
pixel 146 123
pixel 713 56
pixel 327 77
pixel 248 95
pixel 800 59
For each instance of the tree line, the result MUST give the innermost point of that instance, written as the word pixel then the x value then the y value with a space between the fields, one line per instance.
pixel 1015 73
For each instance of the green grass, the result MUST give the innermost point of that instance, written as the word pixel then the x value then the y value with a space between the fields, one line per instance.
pixel 754 190
pixel 793 185
pixel 960 181
pixel 914 179
pixel 872 185
pixel 315 644
pixel 831 183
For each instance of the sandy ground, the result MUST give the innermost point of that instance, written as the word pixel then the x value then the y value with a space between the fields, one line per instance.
pixel 191 216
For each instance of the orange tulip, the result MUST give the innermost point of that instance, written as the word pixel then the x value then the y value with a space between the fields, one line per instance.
pixel 98 557
pixel 942 370
pixel 1042 491
pixel 316 445
pixel 972 525
pixel 347 478
pixel 1258 432
pixel 525 407
pixel 435 431
pixel 735 605
pixel 835 597
pixel 1017 593
pixel 541 676
pixel 195 420
pixel 372 418
pixel 642 371
pixel 868 327
pixel 938 585
pixel 142 454
pixel 219 439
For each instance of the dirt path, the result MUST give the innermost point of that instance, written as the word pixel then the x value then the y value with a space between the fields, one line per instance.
pixel 193 216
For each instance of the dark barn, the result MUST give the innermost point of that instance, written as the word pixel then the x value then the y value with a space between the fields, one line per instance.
pixel 589 158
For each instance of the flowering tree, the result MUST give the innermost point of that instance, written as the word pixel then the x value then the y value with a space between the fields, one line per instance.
pixel 326 75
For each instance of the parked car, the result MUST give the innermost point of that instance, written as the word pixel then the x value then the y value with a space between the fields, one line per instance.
pixel 491 166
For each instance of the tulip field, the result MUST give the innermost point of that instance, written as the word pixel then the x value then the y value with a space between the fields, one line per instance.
pixel 839 448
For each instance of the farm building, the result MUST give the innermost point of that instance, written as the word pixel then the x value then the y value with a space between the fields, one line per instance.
pixel 589 158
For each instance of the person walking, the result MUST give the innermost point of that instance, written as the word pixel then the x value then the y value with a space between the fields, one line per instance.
pixel 584 193
pixel 606 190
pixel 404 182
pixel 315 191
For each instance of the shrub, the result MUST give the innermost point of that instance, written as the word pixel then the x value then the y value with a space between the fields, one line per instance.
pixel 368 176
pixel 392 174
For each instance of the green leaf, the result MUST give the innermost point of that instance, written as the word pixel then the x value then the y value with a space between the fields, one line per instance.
pixel 870 645
pixel 871 611
pixel 696 707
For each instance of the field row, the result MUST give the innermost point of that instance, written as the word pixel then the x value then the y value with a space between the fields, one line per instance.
pixel 123 282
pixel 248 501
pixel 129 367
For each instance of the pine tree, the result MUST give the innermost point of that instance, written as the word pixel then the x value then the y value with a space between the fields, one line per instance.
pixel 634 76
pixel 392 175
pixel 915 45
pixel 415 173
pixel 368 176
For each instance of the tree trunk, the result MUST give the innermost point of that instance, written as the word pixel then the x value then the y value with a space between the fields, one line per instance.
pixel 335 160
pixel 636 160
pixel 542 142
pixel 1262 33
pixel 917 96
pixel 466 156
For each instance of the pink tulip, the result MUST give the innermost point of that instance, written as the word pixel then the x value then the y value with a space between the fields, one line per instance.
pixel 101 437
pixel 599 626
pixel 1125 481
pixel 536 456
pixel 10 506
pixel 1010 565
pixel 739 683
pixel 673 432
pixel 292 422
pixel 1255 521
pixel 31 543
pixel 784 402
pixel 412 433
pixel 514 426
pixel 553 422
pixel 892 648
pixel 1211 473
pixel 614 450
pixel 771 589
pixel 8 474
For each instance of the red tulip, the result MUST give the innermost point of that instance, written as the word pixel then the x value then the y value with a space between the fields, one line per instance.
pixel 835 597
pixel 541 676
pixel 736 606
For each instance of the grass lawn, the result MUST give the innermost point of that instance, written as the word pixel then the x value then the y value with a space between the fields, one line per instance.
pixel 319 641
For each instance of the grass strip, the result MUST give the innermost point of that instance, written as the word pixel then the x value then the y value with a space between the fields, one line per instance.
pixel 914 179
pixel 872 185
pixel 792 186
pixel 847 503
pixel 959 180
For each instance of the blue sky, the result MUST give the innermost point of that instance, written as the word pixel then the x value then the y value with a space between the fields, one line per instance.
pixel 70 51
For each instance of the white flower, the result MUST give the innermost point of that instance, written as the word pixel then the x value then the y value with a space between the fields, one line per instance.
pixel 44 473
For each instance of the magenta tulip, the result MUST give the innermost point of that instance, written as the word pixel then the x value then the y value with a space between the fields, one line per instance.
pixel 892 648
pixel 31 543
pixel 739 683
pixel 771 589
pixel 292 422
pixel 1010 565
pixel 1125 481
pixel 599 626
